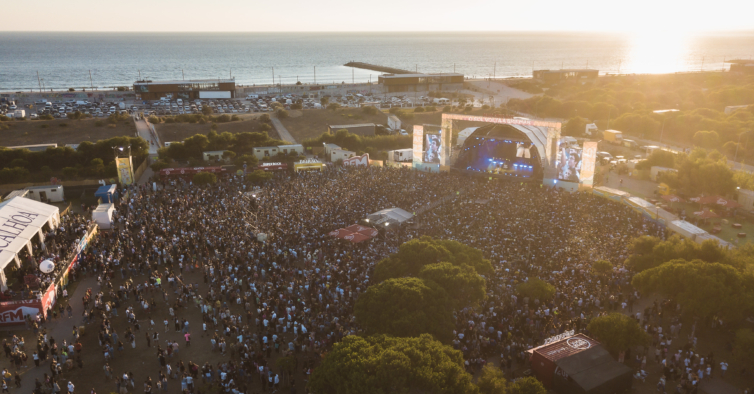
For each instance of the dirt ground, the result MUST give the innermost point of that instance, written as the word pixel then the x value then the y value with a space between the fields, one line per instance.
pixel 169 132
pixel 32 132
pixel 312 123
pixel 141 360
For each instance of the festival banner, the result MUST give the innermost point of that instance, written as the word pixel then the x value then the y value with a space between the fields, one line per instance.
pixel 125 170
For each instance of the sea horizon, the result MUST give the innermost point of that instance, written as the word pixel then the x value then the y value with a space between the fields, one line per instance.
pixel 65 59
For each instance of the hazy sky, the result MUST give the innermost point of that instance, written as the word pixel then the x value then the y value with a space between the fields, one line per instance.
pixel 381 15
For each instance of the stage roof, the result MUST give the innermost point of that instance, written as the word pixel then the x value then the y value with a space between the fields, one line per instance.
pixel 21 218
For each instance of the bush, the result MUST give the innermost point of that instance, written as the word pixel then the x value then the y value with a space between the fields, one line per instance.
pixel 265 118
pixel 265 127
pixel 369 110
pixel 159 165
pixel 205 178
pixel 14 175
pixel 71 89
pixel 235 118
pixel 122 88
pixel 447 108
pixel 430 108
pixel 333 106
pixel 282 114
pixel 536 288
pixel 70 173
pixel 46 117
pixel 297 106
pixel 419 109
pixel 153 119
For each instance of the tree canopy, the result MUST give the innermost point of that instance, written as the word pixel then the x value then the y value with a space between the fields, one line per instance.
pixel 464 286
pixel 701 172
pixel 416 253
pixel 744 347
pixel 703 289
pixel 406 307
pixel 602 267
pixel 204 178
pixel 618 332
pixel 649 252
pixel 536 288
pixel 387 365
pixel 492 381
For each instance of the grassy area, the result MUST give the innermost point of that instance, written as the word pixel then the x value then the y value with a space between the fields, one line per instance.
pixel 312 123
pixel 170 132
pixel 32 132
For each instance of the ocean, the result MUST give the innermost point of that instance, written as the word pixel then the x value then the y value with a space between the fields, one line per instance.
pixel 66 60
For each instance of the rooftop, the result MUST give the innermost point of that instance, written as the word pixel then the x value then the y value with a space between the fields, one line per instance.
pixel 421 75
pixel 183 82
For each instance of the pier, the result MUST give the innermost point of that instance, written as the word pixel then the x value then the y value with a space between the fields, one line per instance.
pixel 374 67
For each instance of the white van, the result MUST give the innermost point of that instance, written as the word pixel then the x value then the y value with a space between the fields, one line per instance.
pixel 82 102
pixel 179 101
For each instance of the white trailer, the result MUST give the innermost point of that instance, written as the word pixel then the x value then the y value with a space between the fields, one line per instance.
pixel 393 122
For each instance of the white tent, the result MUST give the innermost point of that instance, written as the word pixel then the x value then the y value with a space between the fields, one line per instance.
pixel 20 219
pixel 103 215
pixel 390 215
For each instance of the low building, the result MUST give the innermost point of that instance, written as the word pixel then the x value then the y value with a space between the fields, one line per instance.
pixel 265 151
pixel 214 155
pixel 358 129
pixel 288 149
pixel 191 89
pixel 743 67
pixel 556 76
pixel 746 198
pixel 570 363
pixel 47 193
pixel 34 148
pixel 329 148
pixel 401 155
pixel 393 83
pixel 340 154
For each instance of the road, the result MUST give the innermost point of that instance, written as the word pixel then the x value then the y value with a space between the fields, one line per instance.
pixel 144 132
pixel 282 131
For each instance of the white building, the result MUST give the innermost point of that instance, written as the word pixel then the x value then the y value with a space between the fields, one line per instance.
pixel 47 193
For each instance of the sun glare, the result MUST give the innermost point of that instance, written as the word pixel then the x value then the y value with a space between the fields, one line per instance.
pixel 657 52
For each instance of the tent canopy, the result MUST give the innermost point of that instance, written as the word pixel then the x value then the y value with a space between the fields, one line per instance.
pixel 20 219
pixel 390 215
pixel 355 233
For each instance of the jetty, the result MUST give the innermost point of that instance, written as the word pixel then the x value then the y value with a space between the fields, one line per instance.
pixel 375 67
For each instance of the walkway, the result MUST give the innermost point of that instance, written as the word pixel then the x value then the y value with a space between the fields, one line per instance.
pixel 282 131
pixel 145 132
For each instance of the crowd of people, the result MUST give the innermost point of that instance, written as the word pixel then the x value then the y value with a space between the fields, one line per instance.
pixel 183 268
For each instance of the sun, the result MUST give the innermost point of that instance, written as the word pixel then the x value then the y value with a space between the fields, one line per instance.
pixel 657 52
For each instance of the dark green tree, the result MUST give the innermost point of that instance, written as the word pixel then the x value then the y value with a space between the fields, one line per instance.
pixel 536 289
pixel 527 385
pixel 464 286
pixel 258 176
pixel 618 332
pixel 406 307
pixel 703 289
pixel 204 178
pixel 492 381
pixel 387 365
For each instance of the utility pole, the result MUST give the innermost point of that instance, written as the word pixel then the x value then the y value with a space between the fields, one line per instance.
pixel 39 82
pixel 183 75
pixel 139 75
pixel 91 83
pixel 273 76
pixel 315 75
